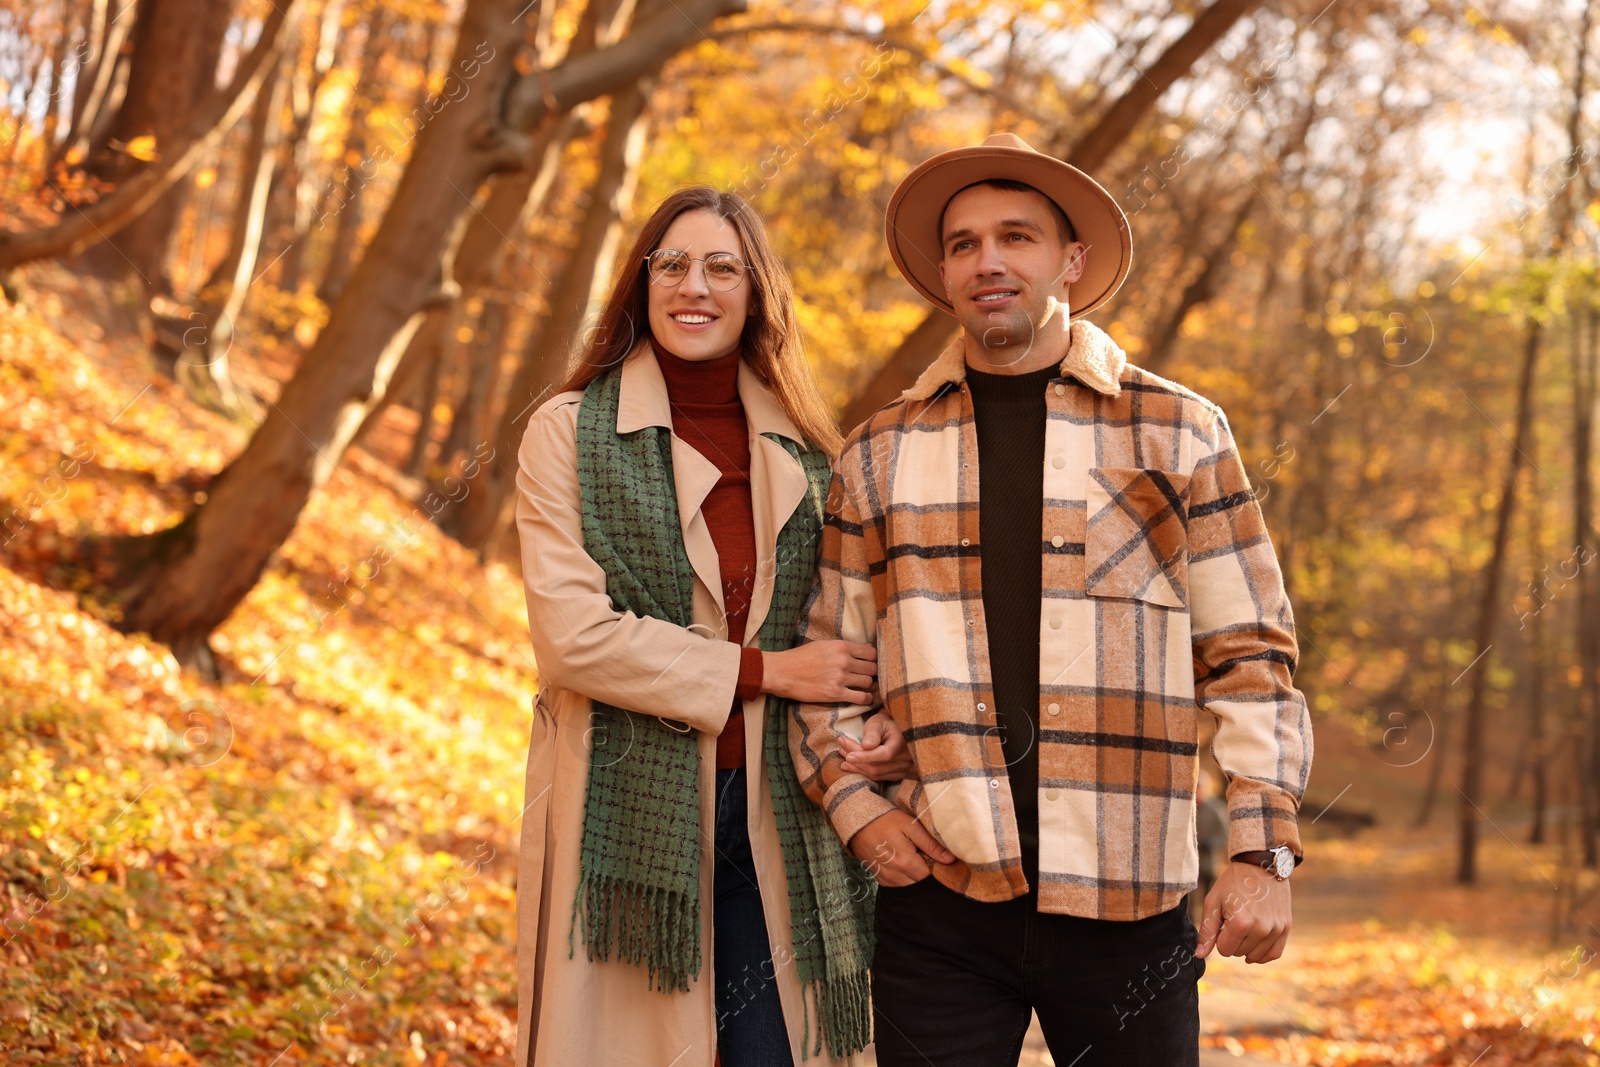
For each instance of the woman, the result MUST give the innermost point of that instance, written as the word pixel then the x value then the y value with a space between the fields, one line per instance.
pixel 678 896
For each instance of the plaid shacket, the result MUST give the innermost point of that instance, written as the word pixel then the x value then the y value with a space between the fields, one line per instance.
pixel 1161 596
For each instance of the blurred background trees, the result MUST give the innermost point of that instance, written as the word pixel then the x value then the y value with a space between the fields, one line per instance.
pixel 1364 227
pixel 415 208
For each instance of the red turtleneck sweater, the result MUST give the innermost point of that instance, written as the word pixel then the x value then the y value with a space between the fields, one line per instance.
pixel 707 414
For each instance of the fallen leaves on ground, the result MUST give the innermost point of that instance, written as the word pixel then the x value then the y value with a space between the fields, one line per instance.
pixel 313 859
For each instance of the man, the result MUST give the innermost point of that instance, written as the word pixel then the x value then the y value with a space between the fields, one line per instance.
pixel 1059 560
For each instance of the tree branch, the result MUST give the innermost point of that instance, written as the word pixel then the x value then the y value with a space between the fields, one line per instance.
pixel 1092 149
pixel 99 221
pixel 918 53
pixel 650 43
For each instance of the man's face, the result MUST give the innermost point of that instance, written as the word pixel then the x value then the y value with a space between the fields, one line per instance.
pixel 1006 267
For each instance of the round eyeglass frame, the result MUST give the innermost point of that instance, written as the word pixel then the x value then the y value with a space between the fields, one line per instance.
pixel 704 261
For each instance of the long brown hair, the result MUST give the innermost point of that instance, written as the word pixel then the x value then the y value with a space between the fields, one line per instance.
pixel 770 343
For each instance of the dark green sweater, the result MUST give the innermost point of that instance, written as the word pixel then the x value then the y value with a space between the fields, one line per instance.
pixel 1009 410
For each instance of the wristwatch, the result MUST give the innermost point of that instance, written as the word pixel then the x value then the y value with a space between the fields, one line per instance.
pixel 1278 862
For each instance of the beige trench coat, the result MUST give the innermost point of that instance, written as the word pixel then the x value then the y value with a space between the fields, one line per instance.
pixel 571 1011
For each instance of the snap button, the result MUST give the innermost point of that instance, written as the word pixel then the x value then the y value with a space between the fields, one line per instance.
pixel 1061 390
pixel 1058 463
pixel 1058 540
pixel 1051 794
pixel 1055 624
pixel 965 542
pixel 982 706
pixel 1054 709
pixel 994 783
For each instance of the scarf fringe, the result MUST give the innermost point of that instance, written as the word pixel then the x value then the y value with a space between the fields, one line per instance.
pixel 638 897
pixel 844 1015
pixel 640 925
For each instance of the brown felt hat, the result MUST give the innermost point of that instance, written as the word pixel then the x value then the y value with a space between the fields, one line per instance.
pixel 912 221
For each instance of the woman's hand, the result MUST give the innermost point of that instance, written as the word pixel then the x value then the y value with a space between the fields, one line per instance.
pixel 822 672
pixel 881 754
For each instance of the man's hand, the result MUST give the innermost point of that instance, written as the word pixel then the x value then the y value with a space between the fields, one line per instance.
pixel 821 672
pixel 898 849
pixel 881 754
pixel 1246 914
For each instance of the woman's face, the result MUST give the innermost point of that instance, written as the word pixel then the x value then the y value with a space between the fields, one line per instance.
pixel 691 320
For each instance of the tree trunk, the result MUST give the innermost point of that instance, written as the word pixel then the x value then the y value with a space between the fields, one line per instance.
pixel 930 336
pixel 84 228
pixel 47 84
pixel 171 79
pixel 469 424
pixel 513 197
pixel 915 351
pixel 1587 704
pixel 342 251
pixel 474 518
pixel 202 216
pixel 291 204
pixel 1199 291
pixel 473 359
pixel 256 169
pixel 1472 754
pixel 1471 787
pixel 1114 127
pixel 203 367
pixel 428 390
pixel 1430 792
pixel 103 39
pixel 180 584
pixel 1532 758
pixel 1538 770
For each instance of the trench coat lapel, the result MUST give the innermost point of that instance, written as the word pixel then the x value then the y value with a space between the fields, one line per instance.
pixel 642 401
pixel 777 481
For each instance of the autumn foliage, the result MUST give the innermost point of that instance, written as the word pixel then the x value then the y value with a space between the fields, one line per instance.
pixel 291 274
pixel 315 855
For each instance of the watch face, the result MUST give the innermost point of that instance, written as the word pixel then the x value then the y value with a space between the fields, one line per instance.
pixel 1284 860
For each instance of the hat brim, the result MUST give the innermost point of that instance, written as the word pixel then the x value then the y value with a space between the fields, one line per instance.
pixel 912 219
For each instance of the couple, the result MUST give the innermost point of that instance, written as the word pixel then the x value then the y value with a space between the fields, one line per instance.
pixel 791 747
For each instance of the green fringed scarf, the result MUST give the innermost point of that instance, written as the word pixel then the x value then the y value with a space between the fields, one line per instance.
pixel 639 876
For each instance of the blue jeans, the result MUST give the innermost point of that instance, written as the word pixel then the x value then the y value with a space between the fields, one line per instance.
pixel 750 1027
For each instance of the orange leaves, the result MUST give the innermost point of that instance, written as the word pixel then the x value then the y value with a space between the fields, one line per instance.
pixel 1381 995
pixel 167 1054
pixel 270 865
pixel 1447 975
pixel 140 148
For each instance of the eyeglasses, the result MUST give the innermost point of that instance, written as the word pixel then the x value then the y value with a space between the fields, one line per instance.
pixel 669 267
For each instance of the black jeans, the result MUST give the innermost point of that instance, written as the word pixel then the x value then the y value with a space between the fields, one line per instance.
pixel 953 982
pixel 750 1027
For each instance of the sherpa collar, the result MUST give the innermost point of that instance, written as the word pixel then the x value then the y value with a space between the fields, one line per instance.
pixel 1092 357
